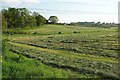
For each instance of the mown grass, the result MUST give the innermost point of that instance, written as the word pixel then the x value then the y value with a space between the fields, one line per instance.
pixel 61 52
pixel 63 59
pixel 16 66
pixel 95 43
pixel 67 54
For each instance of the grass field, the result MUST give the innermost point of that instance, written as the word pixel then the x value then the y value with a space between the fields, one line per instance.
pixel 60 51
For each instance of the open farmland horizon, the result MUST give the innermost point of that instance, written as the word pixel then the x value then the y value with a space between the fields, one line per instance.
pixel 60 51
pixel 53 39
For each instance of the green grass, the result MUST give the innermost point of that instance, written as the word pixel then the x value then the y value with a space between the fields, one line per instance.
pixel 76 52
pixel 64 58
pixel 55 29
pixel 15 67
pixel 67 54
pixel 95 43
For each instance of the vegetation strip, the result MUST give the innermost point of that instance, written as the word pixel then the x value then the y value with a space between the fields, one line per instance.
pixel 47 61
pixel 12 63
pixel 79 70
pixel 92 57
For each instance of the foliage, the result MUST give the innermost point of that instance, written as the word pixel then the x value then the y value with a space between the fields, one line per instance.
pixel 40 20
pixel 53 19
pixel 35 14
pixel 93 24
pixel 20 18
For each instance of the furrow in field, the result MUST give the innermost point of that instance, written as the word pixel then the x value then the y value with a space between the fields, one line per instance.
pixel 89 64
pixel 69 54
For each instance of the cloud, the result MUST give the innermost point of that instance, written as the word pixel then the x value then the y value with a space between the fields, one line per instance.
pixel 20 1
pixel 97 2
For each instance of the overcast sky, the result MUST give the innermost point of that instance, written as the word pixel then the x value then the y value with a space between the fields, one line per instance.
pixel 70 10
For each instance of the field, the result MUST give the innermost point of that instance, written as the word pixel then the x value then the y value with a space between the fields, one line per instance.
pixel 60 51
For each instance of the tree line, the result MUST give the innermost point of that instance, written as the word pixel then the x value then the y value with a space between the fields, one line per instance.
pixel 22 17
pixel 93 24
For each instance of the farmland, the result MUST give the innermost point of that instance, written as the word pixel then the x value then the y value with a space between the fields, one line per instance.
pixel 60 51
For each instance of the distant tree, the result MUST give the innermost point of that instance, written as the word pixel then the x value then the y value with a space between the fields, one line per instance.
pixel 103 23
pixel 6 14
pixel 35 14
pixel 17 18
pixel 31 21
pixel 20 18
pixel 99 22
pixel 40 20
pixel 53 19
pixel 24 16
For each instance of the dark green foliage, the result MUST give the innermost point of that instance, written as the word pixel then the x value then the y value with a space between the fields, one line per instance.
pixel 35 14
pixel 53 19
pixel 40 20
pixel 31 21
pixel 93 24
pixel 16 17
pixel 20 18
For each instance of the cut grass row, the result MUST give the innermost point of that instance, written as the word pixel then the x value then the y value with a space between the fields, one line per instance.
pixel 67 54
pixel 68 51
pixel 23 67
pixel 102 45
pixel 94 65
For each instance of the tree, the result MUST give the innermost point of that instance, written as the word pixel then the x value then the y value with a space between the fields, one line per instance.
pixel 53 19
pixel 40 20
pixel 20 18
pixel 35 14
pixel 6 18
pixel 13 17
pixel 31 21
pixel 24 15
pixel 17 18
